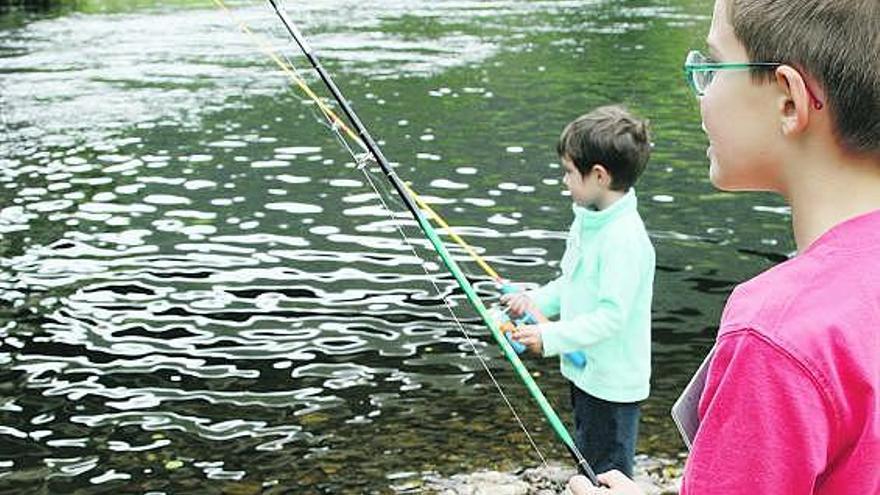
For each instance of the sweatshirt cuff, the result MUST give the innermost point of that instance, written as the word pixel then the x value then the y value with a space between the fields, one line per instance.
pixel 550 338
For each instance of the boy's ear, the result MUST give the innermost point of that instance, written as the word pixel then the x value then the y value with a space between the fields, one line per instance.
pixel 602 174
pixel 795 103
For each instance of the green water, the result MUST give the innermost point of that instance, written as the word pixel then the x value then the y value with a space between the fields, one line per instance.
pixel 200 293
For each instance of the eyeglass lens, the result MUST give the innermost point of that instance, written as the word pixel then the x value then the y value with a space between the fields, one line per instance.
pixel 700 79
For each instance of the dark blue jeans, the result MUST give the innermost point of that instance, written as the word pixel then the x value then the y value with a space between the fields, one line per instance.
pixel 605 432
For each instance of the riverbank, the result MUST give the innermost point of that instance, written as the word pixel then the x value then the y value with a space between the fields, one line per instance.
pixel 656 477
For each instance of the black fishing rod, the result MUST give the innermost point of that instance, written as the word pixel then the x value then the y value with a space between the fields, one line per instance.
pixel 374 150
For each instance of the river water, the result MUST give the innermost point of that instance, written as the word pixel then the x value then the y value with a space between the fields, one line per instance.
pixel 200 293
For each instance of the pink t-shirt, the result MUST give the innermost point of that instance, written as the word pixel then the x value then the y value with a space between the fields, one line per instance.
pixel 792 397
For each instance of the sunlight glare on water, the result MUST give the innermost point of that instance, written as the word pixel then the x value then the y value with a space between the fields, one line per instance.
pixel 200 291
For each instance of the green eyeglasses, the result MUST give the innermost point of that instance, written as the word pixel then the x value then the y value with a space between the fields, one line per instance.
pixel 700 72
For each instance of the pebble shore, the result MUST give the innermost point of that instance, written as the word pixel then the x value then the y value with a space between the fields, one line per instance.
pixel 655 477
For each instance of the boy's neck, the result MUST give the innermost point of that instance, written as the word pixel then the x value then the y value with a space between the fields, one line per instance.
pixel 608 198
pixel 829 189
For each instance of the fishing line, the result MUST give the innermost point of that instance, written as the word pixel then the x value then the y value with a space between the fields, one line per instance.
pixel 405 194
pixel 362 162
pixel 448 304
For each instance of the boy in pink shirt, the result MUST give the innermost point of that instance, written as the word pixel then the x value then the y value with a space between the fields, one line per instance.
pixel 790 100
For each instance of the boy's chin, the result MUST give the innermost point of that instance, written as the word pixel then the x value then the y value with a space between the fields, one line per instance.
pixel 724 183
pixel 717 179
pixel 721 177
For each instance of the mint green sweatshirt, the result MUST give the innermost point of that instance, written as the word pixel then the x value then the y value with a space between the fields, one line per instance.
pixel 603 301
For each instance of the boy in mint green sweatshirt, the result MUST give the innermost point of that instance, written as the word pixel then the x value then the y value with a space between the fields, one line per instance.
pixel 603 297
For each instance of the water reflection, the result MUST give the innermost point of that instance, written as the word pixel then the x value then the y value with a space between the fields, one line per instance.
pixel 200 291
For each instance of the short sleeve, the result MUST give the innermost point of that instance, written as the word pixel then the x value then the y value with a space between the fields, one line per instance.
pixel 765 425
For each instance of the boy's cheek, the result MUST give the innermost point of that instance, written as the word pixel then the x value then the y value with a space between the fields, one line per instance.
pixel 707 112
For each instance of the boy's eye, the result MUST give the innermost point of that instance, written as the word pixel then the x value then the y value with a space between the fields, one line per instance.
pixel 708 57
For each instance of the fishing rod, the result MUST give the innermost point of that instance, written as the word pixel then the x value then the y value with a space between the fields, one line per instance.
pixel 471 295
pixel 577 358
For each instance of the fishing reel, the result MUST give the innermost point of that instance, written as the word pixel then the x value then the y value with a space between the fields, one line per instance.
pixel 507 326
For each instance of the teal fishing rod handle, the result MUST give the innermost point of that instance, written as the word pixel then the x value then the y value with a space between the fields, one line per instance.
pixel 528 319
pixel 577 358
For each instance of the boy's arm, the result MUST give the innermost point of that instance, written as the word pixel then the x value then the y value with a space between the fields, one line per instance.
pixel 765 427
pixel 622 275
pixel 546 298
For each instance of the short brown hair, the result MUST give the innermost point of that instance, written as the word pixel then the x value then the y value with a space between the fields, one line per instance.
pixel 609 136
pixel 837 42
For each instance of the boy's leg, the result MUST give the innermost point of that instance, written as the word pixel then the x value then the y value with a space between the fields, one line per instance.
pixel 605 432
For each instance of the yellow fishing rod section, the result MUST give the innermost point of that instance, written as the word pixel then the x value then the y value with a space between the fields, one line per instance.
pixel 335 121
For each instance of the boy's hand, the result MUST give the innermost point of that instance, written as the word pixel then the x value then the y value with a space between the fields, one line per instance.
pixel 530 336
pixel 613 483
pixel 519 304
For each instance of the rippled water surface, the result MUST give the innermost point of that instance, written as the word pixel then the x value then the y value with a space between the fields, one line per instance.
pixel 200 292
